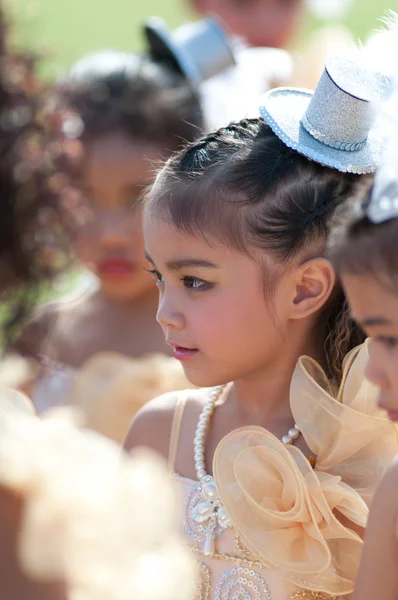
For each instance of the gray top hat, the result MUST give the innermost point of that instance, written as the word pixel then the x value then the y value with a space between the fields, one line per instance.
pixel 197 50
pixel 334 125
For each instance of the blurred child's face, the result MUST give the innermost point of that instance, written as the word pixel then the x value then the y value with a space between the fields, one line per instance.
pixel 375 308
pixel 111 242
pixel 261 22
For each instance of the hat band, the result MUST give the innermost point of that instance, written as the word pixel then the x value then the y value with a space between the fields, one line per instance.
pixel 328 141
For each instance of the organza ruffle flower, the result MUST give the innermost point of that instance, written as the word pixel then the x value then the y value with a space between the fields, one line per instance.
pixel 298 520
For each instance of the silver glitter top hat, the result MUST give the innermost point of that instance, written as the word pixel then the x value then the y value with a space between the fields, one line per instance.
pixel 197 50
pixel 334 125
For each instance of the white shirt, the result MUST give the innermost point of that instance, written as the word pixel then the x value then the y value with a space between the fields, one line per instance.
pixel 235 94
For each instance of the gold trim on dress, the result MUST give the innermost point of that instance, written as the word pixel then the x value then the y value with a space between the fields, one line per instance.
pixel 309 595
pixel 203 586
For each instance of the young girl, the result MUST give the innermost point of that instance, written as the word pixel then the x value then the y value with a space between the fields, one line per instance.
pixel 363 248
pixel 235 228
pixel 133 112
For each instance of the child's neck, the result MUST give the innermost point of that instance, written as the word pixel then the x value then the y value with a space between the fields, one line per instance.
pixel 265 394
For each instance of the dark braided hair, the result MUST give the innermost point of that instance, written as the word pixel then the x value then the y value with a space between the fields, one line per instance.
pixel 33 187
pixel 250 190
pixel 132 94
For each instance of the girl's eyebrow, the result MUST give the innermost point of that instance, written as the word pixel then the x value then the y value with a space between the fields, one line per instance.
pixel 182 263
pixel 175 265
pixel 374 321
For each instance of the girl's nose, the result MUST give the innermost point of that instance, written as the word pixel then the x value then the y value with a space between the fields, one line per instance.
pixel 168 315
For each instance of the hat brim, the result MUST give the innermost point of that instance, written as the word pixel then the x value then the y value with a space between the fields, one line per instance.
pixel 283 108
pixel 163 49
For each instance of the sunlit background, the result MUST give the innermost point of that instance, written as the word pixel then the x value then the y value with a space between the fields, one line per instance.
pixel 62 31
pixel 66 29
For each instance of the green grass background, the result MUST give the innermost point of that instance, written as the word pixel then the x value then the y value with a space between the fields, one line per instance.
pixel 67 29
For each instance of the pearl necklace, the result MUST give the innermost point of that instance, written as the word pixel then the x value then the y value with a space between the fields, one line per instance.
pixel 210 509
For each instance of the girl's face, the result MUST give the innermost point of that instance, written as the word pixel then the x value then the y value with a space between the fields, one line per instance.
pixel 375 308
pixel 212 306
pixel 111 242
pixel 261 22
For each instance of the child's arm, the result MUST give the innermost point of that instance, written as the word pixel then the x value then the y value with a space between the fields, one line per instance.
pixel 378 573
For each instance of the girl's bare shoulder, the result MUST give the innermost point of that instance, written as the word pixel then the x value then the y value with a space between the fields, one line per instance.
pixel 153 423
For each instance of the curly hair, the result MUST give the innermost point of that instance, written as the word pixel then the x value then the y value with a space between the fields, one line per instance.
pixel 250 190
pixel 33 188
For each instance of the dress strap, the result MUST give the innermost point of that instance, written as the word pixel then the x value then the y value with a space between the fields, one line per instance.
pixel 175 430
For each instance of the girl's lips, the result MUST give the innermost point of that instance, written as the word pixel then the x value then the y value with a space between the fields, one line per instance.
pixel 182 353
pixel 116 267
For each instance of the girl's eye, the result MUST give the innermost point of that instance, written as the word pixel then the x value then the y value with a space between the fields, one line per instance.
pixel 155 274
pixel 389 341
pixel 193 283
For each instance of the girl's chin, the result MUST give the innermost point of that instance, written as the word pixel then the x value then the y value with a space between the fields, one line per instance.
pixel 202 378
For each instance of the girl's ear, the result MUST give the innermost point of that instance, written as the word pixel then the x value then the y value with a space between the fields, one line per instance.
pixel 314 283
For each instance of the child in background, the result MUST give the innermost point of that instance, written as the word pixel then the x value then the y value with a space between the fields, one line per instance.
pixel 130 112
pixel 261 23
pixel 363 247
pixel 262 29
pixel 279 461
pixel 133 113
pixel 272 53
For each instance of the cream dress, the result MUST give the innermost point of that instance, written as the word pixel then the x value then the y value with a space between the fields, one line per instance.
pixel 286 542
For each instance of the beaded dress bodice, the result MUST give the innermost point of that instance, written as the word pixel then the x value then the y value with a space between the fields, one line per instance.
pixel 230 572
